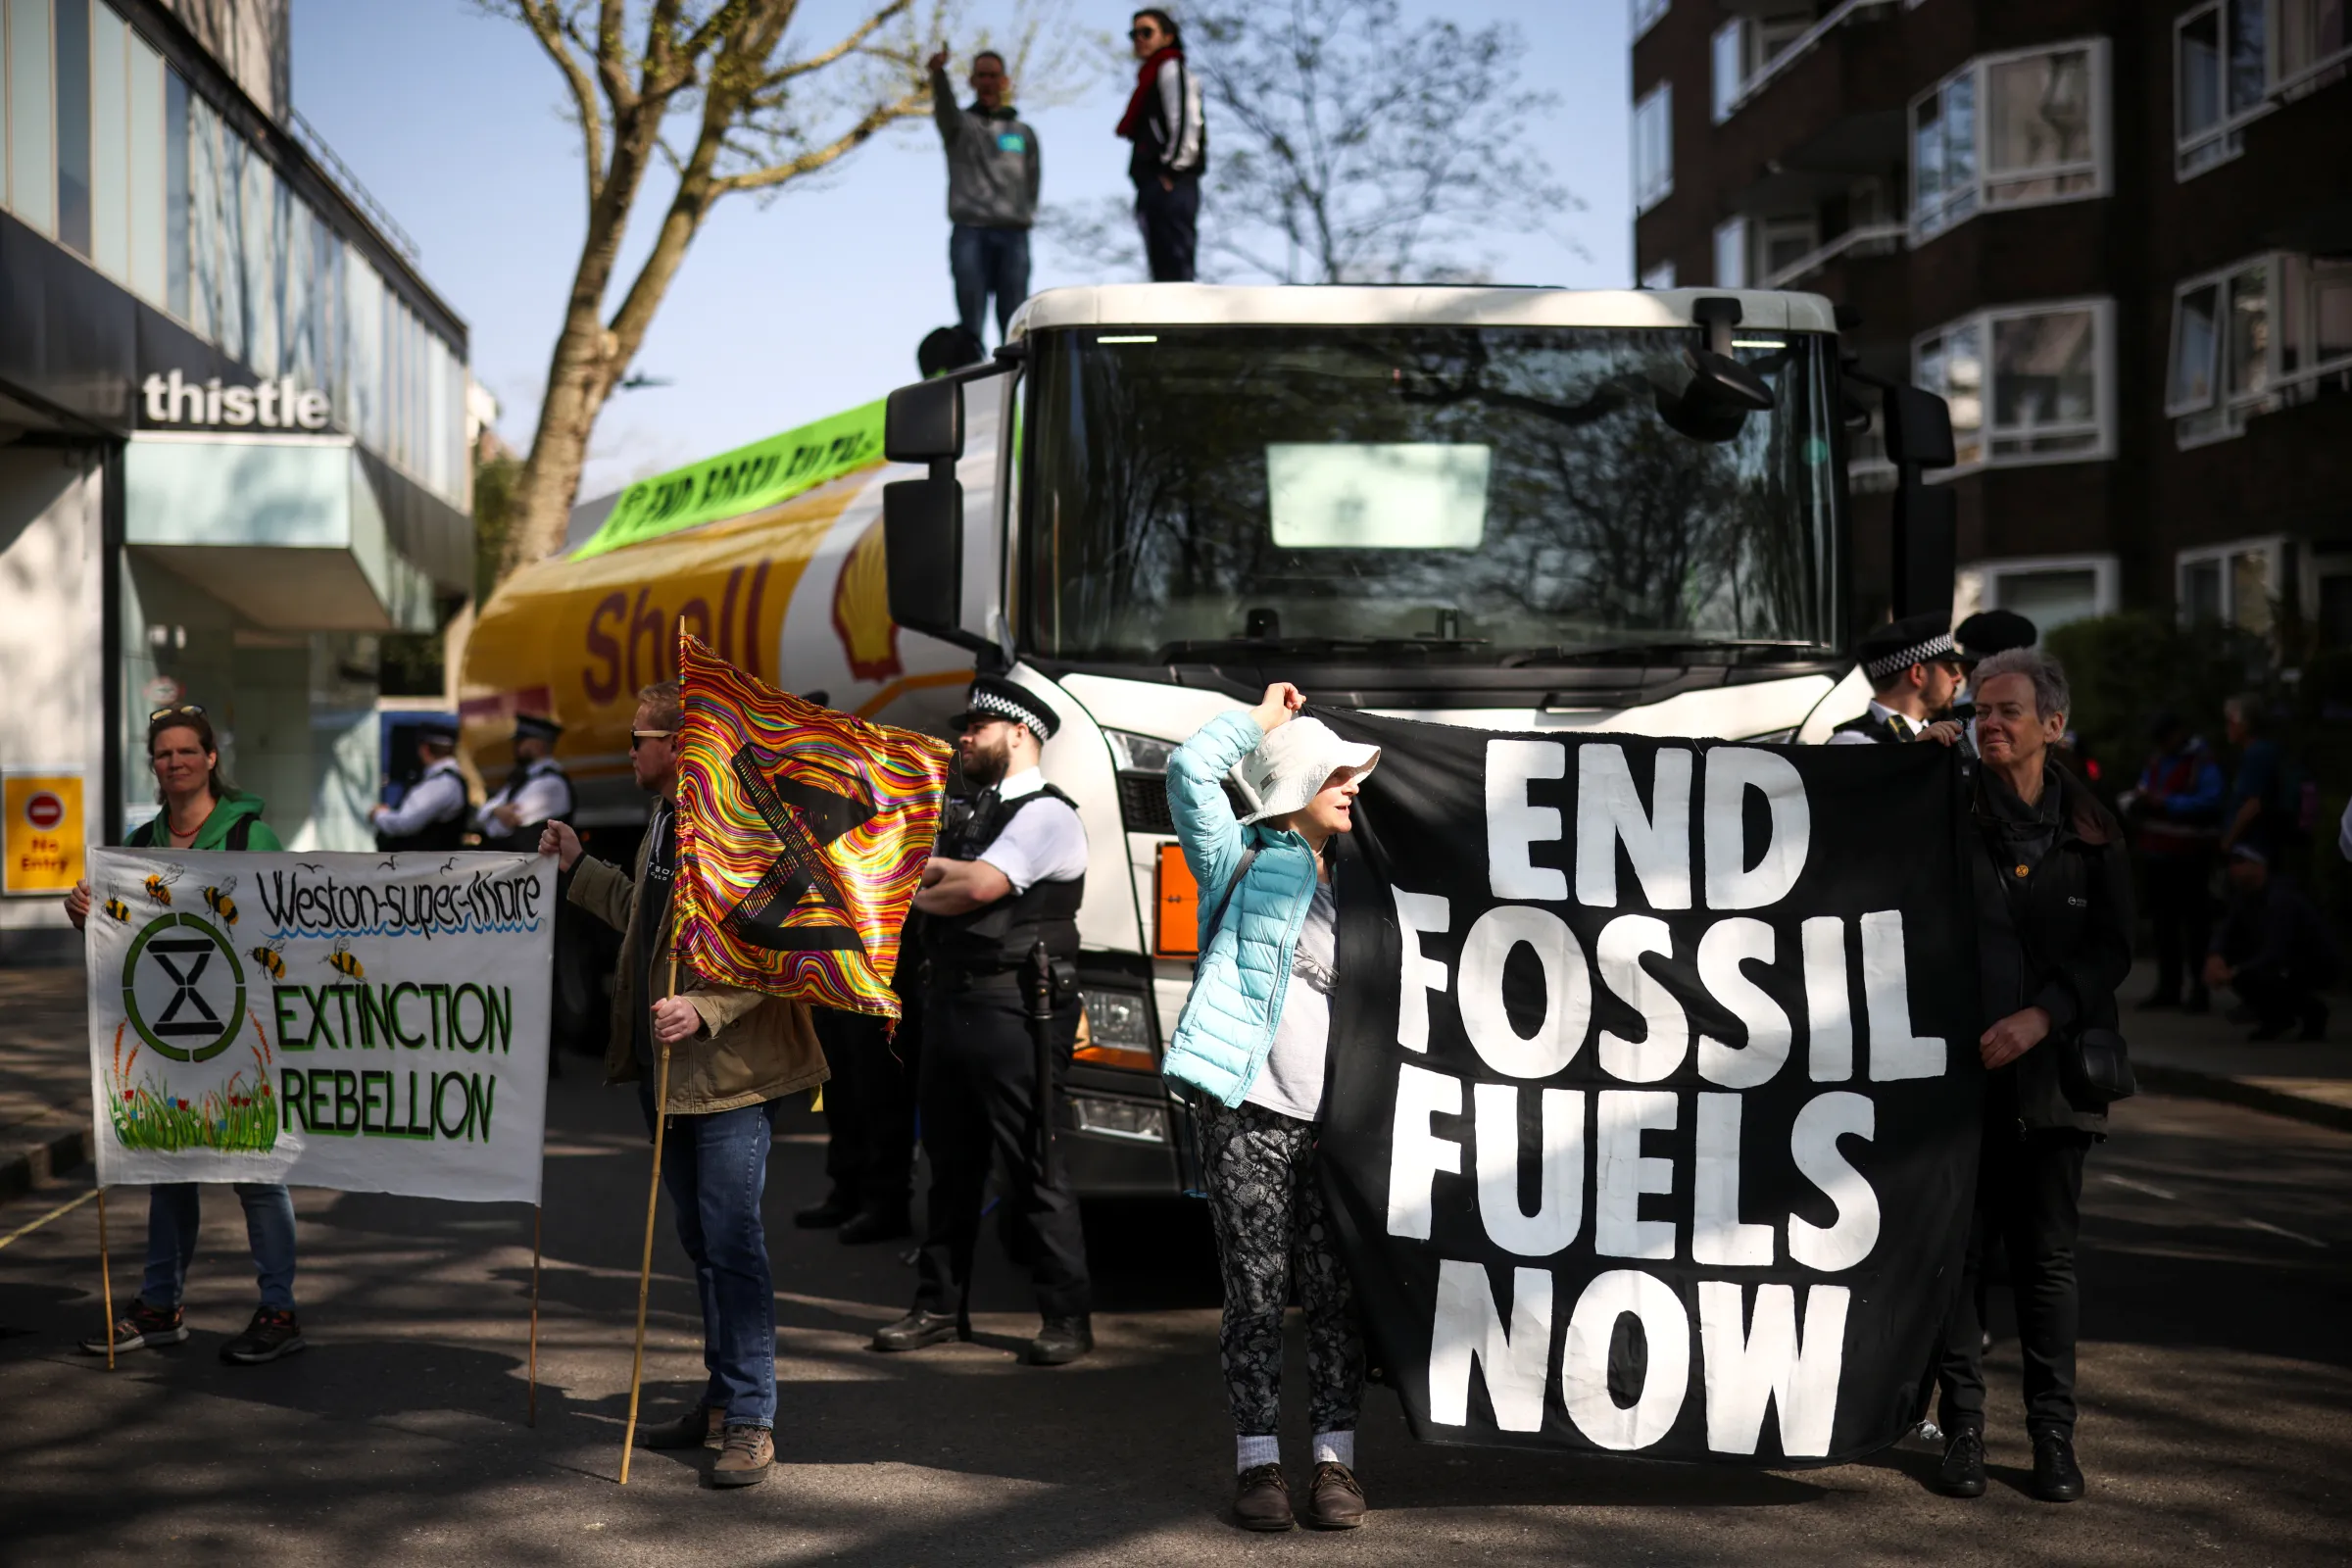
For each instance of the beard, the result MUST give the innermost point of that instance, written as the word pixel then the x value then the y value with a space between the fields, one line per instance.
pixel 988 764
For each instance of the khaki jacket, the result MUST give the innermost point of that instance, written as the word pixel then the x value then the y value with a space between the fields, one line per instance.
pixel 753 1047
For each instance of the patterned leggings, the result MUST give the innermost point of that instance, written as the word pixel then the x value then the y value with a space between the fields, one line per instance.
pixel 1273 1226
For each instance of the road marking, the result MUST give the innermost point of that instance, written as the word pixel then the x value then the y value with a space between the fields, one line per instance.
pixel 2149 1187
pixel 2250 1224
pixel 58 1212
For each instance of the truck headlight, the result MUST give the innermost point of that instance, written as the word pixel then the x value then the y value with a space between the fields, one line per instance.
pixel 1118 1031
pixel 1142 777
pixel 1139 754
pixel 1133 1119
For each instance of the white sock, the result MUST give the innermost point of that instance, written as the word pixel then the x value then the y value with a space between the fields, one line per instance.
pixel 1336 1448
pixel 1250 1452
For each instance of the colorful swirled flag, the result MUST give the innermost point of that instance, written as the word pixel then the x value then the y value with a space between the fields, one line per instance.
pixel 802 838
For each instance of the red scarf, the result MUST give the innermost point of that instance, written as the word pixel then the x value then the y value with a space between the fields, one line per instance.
pixel 1131 120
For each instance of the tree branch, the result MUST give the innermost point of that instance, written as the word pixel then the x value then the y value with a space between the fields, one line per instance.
pixel 907 107
pixel 552 28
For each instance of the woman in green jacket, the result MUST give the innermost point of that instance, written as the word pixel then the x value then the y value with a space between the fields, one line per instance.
pixel 202 813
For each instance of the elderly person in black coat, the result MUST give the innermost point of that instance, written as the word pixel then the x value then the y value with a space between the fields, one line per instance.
pixel 2053 943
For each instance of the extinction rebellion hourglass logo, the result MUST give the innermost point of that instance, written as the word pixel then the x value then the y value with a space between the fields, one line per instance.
pixel 182 988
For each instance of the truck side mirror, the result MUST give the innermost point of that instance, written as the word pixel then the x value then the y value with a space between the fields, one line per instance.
pixel 1927 528
pixel 923 422
pixel 1919 428
pixel 922 551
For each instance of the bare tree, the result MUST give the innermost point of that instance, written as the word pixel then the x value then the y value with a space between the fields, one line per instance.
pixel 715 92
pixel 1346 146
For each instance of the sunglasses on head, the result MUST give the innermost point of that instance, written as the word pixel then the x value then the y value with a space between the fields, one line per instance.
pixel 179 710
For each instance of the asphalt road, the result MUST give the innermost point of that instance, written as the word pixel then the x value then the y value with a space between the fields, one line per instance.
pixel 2217 1377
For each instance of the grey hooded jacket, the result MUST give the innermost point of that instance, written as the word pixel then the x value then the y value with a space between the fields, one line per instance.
pixel 993 167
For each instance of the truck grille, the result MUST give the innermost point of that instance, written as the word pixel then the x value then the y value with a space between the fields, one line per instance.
pixel 1144 802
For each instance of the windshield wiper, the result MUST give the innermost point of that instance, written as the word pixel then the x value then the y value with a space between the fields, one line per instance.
pixel 1212 648
pixel 1579 652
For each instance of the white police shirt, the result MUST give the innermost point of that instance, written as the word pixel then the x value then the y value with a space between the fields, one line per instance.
pixel 438 796
pixel 1043 842
pixel 544 795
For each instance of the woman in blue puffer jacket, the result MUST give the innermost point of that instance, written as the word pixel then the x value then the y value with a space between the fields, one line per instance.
pixel 1253 1039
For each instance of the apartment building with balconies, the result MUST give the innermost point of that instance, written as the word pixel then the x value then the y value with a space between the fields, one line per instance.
pixel 2114 235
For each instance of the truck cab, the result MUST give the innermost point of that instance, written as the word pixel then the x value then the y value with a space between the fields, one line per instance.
pixel 1517 508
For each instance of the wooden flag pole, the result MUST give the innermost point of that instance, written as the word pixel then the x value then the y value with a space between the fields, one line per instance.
pixel 645 1265
pixel 106 1281
pixel 532 1417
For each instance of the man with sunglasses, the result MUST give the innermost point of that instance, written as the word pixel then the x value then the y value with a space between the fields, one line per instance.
pixel 1915 670
pixel 733 1055
pixel 1005 878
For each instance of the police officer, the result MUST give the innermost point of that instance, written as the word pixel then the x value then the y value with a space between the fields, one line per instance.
pixel 534 795
pixel 1914 669
pixel 432 814
pixel 1005 877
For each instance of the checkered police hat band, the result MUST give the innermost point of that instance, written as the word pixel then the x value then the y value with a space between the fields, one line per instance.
pixel 1004 707
pixel 1902 659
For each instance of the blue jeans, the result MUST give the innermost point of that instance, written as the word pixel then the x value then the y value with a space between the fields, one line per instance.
pixel 171 1226
pixel 985 262
pixel 714 1168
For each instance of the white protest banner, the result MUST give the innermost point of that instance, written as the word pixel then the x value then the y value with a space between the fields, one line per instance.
pixel 374 1023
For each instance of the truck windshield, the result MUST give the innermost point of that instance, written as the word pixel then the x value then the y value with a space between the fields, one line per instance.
pixel 1483 495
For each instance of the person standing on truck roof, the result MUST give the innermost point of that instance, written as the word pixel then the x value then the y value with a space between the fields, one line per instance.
pixel 992 177
pixel 1171 147
pixel 534 795
pixel 1254 1039
pixel 1005 877
pixel 431 815
pixel 1914 669
pixel 202 813
pixel 733 1057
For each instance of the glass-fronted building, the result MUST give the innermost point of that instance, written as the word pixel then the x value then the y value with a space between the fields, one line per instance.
pixel 233 438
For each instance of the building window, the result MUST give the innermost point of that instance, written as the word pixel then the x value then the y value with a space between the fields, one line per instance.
pixel 2253 338
pixel 2235 585
pixel 2049 591
pixel 1659 276
pixel 1745 50
pixel 2026 383
pixel 1645 14
pixel 1731 253
pixel 1728 76
pixel 1654 147
pixel 2219 80
pixel 32 147
pixel 2010 130
pixel 2311 41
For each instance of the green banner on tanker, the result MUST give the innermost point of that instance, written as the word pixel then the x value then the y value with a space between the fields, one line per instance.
pixel 746 479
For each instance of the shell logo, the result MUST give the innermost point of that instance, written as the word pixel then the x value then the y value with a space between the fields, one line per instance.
pixel 869 638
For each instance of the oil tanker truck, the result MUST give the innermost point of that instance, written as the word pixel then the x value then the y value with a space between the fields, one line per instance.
pixel 1520 509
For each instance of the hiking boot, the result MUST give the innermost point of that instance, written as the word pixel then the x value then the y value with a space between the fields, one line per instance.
pixel 885 1221
pixel 1335 1501
pixel 702 1427
pixel 138 1328
pixel 273 1333
pixel 2056 1475
pixel 918 1329
pixel 1962 1472
pixel 745 1456
pixel 1062 1341
pixel 1261 1499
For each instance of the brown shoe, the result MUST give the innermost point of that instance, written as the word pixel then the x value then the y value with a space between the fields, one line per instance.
pixel 1261 1499
pixel 702 1427
pixel 1335 1501
pixel 745 1456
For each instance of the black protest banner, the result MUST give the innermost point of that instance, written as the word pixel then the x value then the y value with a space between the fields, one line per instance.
pixel 1652 1119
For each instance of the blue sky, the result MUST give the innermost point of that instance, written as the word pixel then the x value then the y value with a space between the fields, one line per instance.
pixel 813 302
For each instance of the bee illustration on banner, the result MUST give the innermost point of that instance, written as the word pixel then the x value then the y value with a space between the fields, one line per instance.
pixel 342 963
pixel 159 886
pixel 272 958
pixel 118 909
pixel 218 900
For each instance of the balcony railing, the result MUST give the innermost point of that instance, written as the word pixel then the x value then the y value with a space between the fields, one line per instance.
pixel 1803 44
pixel 1868 239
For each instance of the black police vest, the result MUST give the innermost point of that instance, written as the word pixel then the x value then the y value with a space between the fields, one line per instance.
pixel 449 833
pixel 523 839
pixel 1871 725
pixel 999 936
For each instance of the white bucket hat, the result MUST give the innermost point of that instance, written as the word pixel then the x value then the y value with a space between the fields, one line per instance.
pixel 1290 765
